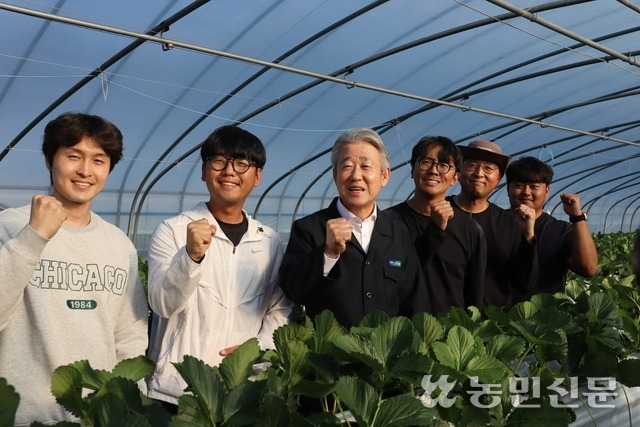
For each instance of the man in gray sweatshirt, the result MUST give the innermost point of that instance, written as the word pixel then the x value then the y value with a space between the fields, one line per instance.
pixel 68 279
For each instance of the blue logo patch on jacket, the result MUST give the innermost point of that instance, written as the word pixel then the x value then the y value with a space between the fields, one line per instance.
pixel 395 263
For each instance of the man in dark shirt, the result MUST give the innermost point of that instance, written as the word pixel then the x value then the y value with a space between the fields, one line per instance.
pixel 450 245
pixel 562 245
pixel 352 258
pixel 512 261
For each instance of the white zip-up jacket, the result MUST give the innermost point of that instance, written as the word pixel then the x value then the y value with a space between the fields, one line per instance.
pixel 200 309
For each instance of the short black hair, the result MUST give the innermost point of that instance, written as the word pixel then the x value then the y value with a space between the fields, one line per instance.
pixel 70 128
pixel 234 142
pixel 448 150
pixel 529 169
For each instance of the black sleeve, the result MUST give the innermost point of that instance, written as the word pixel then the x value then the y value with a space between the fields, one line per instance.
pixel 301 272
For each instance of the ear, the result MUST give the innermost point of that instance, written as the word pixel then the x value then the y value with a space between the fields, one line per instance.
pixel 204 171
pixel 258 177
pixel 386 174
pixel 47 164
pixel 454 180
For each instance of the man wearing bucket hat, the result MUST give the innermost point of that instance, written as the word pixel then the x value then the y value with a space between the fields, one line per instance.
pixel 512 261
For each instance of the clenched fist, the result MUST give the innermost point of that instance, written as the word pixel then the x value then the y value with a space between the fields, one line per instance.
pixel 338 234
pixel 441 213
pixel 199 236
pixel 526 219
pixel 571 204
pixel 47 215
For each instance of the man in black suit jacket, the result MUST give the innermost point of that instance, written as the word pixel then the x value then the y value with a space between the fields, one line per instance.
pixel 351 257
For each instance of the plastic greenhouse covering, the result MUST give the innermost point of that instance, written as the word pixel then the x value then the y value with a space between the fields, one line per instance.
pixel 556 80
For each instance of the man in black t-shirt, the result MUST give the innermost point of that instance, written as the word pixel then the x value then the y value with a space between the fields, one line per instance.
pixel 562 245
pixel 450 245
pixel 512 261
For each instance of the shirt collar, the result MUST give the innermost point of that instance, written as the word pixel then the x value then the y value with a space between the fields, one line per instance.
pixel 346 214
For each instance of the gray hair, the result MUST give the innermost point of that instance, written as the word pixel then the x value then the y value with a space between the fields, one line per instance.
pixel 360 134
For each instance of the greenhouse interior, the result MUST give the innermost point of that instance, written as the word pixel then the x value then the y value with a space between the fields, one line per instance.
pixel 556 80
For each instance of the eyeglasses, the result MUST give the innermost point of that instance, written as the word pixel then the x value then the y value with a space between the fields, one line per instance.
pixel 487 168
pixel 240 165
pixel 427 164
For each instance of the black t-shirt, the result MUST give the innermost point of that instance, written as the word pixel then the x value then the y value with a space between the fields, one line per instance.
pixel 512 263
pixel 234 231
pixel 453 261
pixel 555 245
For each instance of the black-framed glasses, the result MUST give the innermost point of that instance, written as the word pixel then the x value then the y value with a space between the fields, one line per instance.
pixel 474 165
pixel 427 164
pixel 240 165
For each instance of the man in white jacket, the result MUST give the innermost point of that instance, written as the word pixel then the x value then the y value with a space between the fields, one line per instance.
pixel 213 269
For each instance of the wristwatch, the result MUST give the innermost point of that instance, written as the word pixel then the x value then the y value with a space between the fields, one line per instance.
pixel 578 218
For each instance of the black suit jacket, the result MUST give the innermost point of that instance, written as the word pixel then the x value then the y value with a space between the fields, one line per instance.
pixel 387 278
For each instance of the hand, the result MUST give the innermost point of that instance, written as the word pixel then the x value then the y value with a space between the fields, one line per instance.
pixel 47 215
pixel 199 236
pixel 441 213
pixel 571 204
pixel 227 351
pixel 338 234
pixel 526 219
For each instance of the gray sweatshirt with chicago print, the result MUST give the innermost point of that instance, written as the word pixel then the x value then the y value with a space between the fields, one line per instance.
pixel 72 297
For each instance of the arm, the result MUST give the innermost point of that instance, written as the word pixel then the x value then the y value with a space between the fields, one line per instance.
pixel 173 275
pixel 131 334
pixel 584 256
pixel 18 259
pixel 523 263
pixel 525 268
pixel 474 276
pixel 19 255
pixel 301 272
pixel 279 309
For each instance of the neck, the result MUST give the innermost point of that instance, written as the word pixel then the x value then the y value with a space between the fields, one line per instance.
pixel 470 205
pixel 228 214
pixel 78 217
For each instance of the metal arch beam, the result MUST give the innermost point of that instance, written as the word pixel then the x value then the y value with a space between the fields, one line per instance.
pixel 29 49
pixel 599 169
pixel 561 30
pixel 594 200
pixel 461 93
pixel 634 214
pixel 630 5
pixel 625 127
pixel 97 71
pixel 536 118
pixel 348 69
pixel 591 202
pixel 606 216
pixel 321 78
pixel 390 124
pixel 306 190
pixel 627 209
pixel 223 101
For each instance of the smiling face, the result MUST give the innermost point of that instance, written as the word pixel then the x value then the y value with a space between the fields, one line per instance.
pixel 359 177
pixel 475 182
pixel 431 184
pixel 228 188
pixel 531 194
pixel 79 173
